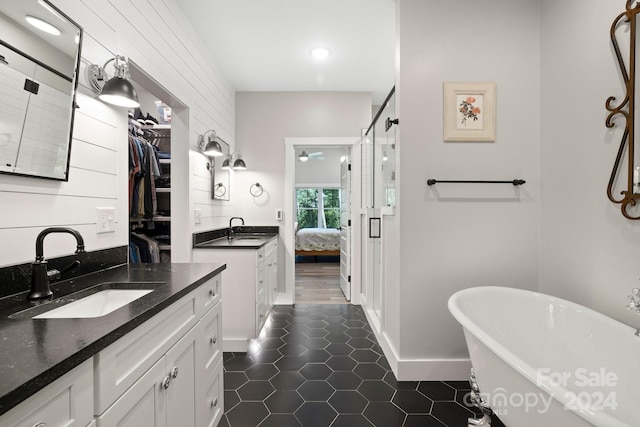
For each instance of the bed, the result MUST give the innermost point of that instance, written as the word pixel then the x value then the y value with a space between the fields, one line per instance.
pixel 318 242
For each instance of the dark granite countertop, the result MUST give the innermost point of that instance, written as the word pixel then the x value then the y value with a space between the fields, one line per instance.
pixel 246 237
pixel 36 352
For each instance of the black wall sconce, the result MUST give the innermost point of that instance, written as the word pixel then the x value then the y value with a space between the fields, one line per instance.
pixel 116 90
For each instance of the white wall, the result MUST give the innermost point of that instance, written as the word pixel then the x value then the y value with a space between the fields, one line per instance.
pixel 452 237
pixel 265 119
pixel 161 42
pixel 589 252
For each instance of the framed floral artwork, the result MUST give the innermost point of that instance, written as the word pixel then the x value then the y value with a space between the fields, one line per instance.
pixel 469 111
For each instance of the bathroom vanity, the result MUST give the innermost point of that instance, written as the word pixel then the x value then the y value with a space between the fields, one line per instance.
pixel 250 284
pixel 156 361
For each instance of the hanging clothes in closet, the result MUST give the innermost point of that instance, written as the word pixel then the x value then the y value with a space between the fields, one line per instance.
pixel 144 168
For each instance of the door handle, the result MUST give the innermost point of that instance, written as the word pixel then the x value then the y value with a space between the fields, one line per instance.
pixel 374 228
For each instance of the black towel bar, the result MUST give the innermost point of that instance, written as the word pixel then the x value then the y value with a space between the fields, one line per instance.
pixel 513 182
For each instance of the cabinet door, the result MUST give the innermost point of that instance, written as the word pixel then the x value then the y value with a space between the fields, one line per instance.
pixel 142 405
pixel 67 402
pixel 181 392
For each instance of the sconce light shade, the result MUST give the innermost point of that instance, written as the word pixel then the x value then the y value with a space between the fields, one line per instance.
pixel 120 92
pixel 212 147
pixel 117 90
pixel 239 164
pixel 226 165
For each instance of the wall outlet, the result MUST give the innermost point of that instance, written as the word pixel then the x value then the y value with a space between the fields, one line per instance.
pixel 106 220
pixel 198 216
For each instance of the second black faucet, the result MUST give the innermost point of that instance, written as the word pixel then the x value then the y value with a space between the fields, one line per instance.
pixel 231 232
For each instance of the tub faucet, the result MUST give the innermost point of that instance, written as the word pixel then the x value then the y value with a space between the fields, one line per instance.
pixel 40 276
pixel 634 304
pixel 231 232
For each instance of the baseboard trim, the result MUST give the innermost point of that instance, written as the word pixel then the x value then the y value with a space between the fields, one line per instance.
pixel 238 345
pixel 433 370
pixel 418 369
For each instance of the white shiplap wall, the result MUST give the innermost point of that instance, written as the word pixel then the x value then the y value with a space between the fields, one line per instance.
pixel 157 37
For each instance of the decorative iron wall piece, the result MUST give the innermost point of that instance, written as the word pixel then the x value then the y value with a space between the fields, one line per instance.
pixel 626 109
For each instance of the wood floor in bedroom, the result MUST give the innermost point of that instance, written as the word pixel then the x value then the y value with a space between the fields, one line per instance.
pixel 318 283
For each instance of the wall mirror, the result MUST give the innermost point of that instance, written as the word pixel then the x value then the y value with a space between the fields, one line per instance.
pixel 39 64
pixel 220 176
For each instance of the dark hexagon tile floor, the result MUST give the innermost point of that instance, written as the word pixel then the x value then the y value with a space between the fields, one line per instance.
pixel 321 366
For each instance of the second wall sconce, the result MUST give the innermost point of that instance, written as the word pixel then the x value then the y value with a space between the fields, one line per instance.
pixel 238 163
pixel 212 147
pixel 117 90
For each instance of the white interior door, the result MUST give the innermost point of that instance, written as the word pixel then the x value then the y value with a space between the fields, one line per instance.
pixel 345 226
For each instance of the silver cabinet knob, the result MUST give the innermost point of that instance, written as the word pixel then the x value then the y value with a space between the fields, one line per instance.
pixel 166 382
pixel 214 339
pixel 174 372
pixel 214 402
pixel 212 292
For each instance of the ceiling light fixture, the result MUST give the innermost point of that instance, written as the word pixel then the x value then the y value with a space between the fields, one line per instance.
pixel 117 90
pixel 320 53
pixel 43 25
pixel 303 156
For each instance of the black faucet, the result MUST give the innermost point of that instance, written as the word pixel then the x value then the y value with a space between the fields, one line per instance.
pixel 40 277
pixel 231 232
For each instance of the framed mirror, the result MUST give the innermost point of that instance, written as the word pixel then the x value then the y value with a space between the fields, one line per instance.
pixel 39 65
pixel 220 175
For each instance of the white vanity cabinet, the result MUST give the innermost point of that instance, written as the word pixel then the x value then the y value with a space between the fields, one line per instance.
pixel 250 287
pixel 67 402
pixel 159 374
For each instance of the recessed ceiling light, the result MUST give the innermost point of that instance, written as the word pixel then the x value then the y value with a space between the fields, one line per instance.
pixel 43 25
pixel 320 52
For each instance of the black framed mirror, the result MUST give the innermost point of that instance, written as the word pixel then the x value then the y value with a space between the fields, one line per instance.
pixel 39 64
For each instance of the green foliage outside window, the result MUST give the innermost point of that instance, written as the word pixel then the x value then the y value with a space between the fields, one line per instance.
pixel 309 205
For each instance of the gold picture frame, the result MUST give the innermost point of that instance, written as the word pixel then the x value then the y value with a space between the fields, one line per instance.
pixel 469 112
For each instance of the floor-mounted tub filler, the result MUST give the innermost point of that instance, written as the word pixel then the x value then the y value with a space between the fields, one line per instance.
pixel 544 361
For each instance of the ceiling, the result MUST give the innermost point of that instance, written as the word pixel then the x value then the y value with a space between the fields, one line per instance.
pixel 264 45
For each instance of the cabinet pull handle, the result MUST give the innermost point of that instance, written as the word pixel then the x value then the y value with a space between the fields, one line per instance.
pixel 174 372
pixel 212 292
pixel 214 402
pixel 166 382
pixel 214 339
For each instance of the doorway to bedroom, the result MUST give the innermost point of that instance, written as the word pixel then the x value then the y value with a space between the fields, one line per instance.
pixel 321 208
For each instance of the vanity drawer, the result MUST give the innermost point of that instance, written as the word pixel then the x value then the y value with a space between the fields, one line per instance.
pixel 211 404
pixel 271 246
pixel 119 366
pixel 209 344
pixel 209 293
pixel 67 402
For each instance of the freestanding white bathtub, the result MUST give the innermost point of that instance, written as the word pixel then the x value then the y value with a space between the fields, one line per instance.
pixel 545 361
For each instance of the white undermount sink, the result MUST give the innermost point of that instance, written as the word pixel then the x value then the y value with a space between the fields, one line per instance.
pixel 95 305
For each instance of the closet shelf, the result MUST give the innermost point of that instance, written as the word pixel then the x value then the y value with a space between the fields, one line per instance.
pixel 164 247
pixel 158 131
pixel 157 218
pixel 165 161
pixel 163 190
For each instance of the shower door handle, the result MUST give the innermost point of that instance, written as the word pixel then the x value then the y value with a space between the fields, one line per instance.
pixel 374 228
